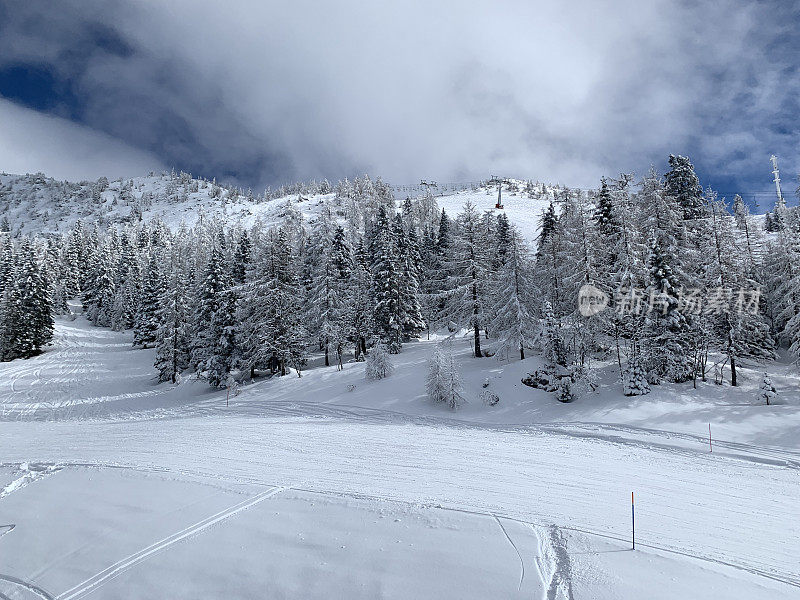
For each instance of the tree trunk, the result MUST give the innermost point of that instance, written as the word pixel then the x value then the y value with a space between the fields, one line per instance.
pixel 521 352
pixel 733 371
pixel 327 361
pixel 477 342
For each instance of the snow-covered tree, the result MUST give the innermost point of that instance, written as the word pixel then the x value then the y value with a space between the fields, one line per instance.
pixel 767 392
pixel 465 292
pixel 378 364
pixel 511 320
pixel 444 382
pixel 146 323
pixel 214 280
pixel 223 333
pixel 634 378
pixel 387 283
pixel 172 349
pixel 667 331
pixel 683 185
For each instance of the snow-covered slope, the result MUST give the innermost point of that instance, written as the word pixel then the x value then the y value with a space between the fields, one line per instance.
pixel 333 486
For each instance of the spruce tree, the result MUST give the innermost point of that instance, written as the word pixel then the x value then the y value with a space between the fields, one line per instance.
pixel 223 333
pixel 667 329
pixel 682 184
pixel 146 322
pixel 172 349
pixel 387 273
pixel 214 280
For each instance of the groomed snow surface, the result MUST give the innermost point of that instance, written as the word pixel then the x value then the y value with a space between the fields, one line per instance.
pixel 330 486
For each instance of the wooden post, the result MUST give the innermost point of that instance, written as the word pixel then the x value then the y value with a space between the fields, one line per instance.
pixel 633 526
pixel 710 447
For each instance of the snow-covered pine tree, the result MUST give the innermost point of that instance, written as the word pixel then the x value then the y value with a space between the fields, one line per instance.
pixel 359 316
pixel 682 184
pixel 13 333
pixel 331 296
pixel 547 225
pixel 146 323
pixel 564 391
pixel 223 332
pixel 554 350
pixel 127 287
pixel 269 312
pixel 172 348
pixel 739 330
pixel 387 282
pixel 668 336
pixel 34 320
pixel 206 302
pixel 605 216
pixel 241 259
pixel 98 289
pixel 634 378
pixel 767 392
pixel 412 322
pixel 578 264
pixel 435 249
pixel 378 364
pixel 511 321
pixel 6 262
pixel 465 292
pixel 444 384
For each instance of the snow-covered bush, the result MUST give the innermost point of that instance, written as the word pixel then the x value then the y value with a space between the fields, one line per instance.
pixel 564 391
pixel 767 393
pixel 378 365
pixel 444 380
pixel 489 398
pixel 634 378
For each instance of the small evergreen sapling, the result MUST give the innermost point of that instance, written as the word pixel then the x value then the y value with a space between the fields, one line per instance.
pixel 767 393
pixel 444 379
pixel 378 365
pixel 634 379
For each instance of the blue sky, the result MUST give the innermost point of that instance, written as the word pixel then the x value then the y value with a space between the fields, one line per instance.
pixel 261 93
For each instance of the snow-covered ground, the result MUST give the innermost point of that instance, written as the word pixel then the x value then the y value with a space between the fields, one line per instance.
pixel 113 486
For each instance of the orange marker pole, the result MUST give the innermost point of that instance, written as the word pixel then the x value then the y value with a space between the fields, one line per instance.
pixel 633 526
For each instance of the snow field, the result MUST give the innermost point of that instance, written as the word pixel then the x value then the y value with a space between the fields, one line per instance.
pixel 115 481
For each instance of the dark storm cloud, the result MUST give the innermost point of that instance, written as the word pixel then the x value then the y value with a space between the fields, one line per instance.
pixel 267 92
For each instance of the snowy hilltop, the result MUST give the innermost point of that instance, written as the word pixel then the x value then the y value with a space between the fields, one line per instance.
pixel 36 203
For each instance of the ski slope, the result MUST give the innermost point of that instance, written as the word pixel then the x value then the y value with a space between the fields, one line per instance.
pixel 112 485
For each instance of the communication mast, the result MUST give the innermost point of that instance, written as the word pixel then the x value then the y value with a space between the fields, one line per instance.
pixel 499 181
pixel 781 203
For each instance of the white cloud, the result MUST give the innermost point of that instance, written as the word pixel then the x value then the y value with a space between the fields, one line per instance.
pixel 32 142
pixel 563 91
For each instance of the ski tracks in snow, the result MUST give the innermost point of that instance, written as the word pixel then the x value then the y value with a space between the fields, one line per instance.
pixel 92 583
pixel 551 560
pixel 554 565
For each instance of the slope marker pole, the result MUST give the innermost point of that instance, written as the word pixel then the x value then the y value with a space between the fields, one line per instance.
pixel 633 526
pixel 710 447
